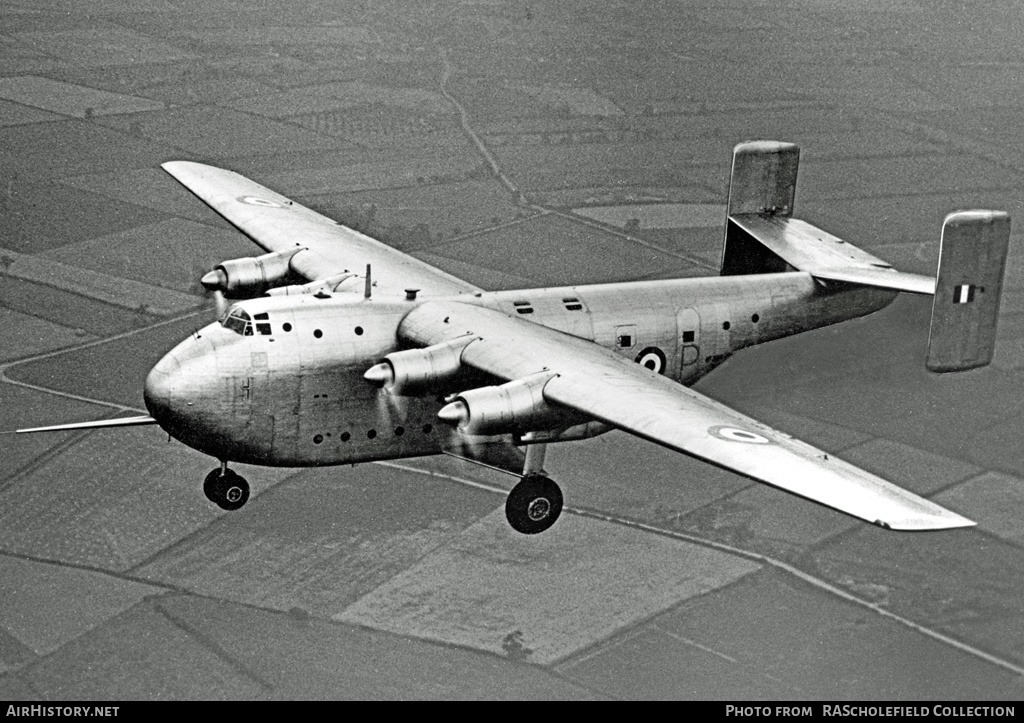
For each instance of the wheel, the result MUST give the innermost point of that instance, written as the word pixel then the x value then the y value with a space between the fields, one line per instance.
pixel 233 491
pixel 229 491
pixel 533 505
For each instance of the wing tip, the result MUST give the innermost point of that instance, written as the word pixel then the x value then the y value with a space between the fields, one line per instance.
pixel 179 168
pixel 942 521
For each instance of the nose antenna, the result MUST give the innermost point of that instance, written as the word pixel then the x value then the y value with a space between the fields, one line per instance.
pixel 369 283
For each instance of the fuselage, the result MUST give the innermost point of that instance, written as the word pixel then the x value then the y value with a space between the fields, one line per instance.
pixel 280 380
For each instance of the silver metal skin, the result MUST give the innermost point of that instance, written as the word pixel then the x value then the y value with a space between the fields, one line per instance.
pixel 288 398
pixel 403 359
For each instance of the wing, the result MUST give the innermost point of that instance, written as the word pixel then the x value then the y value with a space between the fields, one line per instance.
pixel 607 387
pixel 276 224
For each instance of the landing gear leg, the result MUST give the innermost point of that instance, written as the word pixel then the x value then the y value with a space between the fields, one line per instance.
pixel 535 503
pixel 226 489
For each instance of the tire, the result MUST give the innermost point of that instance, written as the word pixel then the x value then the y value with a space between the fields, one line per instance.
pixel 228 491
pixel 533 505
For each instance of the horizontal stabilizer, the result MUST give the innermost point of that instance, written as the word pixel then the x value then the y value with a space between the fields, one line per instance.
pixel 972 258
pixel 99 424
pixel 805 247
pixel 762 237
pixel 881 278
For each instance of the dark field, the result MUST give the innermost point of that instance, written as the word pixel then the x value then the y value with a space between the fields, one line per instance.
pixel 667 578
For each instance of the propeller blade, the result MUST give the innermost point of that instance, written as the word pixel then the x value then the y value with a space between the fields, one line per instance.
pixel 221 303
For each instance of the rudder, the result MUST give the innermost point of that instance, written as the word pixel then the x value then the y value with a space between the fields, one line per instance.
pixel 972 258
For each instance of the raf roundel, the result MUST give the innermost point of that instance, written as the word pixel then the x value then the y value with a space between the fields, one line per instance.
pixel 653 358
pixel 732 434
pixel 257 201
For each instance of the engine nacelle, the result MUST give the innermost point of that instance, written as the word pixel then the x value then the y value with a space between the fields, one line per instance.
pixel 516 407
pixel 250 276
pixel 414 371
pixel 586 430
pixel 327 285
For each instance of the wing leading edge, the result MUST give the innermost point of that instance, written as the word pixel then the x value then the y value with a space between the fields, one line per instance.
pixel 277 223
pixel 609 388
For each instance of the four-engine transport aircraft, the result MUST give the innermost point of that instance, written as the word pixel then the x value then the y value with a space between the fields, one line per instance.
pixel 317 363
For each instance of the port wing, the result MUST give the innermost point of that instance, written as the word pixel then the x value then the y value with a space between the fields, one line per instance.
pixel 277 223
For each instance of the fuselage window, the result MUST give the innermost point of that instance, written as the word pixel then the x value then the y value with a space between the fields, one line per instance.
pixel 262 328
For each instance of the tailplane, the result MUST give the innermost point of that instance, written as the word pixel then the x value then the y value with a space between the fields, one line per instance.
pixel 762 237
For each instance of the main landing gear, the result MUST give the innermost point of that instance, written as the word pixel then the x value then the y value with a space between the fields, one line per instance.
pixel 535 503
pixel 226 489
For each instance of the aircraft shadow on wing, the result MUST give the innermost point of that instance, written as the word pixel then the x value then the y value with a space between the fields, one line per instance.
pixel 318 363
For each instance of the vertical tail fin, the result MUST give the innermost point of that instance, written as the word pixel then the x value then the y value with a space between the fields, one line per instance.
pixel 972 258
pixel 763 183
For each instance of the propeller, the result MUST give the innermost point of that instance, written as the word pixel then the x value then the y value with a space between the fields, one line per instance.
pixel 210 284
pixel 220 302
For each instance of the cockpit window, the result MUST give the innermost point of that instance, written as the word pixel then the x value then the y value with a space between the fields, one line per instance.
pixel 238 321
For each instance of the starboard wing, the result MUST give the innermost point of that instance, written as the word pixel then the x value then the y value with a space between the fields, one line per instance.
pixel 277 223
pixel 606 387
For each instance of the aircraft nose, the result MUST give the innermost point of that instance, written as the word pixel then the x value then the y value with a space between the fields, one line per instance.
pixel 160 388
